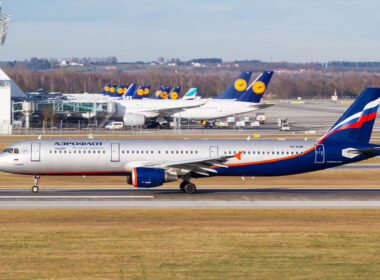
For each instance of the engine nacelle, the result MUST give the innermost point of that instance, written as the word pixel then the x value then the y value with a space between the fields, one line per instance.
pixel 143 177
pixel 133 119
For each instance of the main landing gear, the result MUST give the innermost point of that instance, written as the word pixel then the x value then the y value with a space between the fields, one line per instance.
pixel 35 187
pixel 186 186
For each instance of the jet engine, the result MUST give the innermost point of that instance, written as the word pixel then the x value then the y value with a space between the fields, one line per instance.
pixel 143 177
pixel 133 119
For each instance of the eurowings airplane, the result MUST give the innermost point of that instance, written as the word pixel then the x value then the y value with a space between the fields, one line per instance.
pixel 148 163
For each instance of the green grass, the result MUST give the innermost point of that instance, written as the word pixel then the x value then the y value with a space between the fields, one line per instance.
pixel 190 244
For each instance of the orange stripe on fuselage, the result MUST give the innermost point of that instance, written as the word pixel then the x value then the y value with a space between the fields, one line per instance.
pixel 268 160
pixel 135 173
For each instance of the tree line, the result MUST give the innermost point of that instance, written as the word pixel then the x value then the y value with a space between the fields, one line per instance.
pixel 209 82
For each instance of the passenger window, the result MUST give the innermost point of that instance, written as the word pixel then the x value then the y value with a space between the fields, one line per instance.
pixel 16 151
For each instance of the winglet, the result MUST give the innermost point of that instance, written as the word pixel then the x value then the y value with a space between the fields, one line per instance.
pixel 238 155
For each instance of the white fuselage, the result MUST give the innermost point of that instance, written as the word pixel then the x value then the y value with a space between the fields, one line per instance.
pixel 217 108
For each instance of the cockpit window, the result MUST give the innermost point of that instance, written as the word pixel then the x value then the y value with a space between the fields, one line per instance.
pixel 11 150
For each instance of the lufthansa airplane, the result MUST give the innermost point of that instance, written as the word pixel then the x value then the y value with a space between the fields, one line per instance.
pixel 149 163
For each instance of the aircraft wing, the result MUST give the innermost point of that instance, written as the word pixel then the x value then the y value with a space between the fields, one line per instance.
pixel 172 110
pixel 202 166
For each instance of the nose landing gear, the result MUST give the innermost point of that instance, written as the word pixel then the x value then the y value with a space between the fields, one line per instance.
pixel 35 187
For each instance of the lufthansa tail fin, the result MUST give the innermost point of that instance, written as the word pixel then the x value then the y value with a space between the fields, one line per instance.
pixel 357 122
pixel 130 92
pixel 174 94
pixel 139 93
pixel 146 90
pixel 237 88
pixel 106 89
pixel 113 89
pixel 163 94
pixel 158 92
pixel 257 89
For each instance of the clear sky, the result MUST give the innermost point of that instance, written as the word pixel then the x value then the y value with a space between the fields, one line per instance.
pixel 269 30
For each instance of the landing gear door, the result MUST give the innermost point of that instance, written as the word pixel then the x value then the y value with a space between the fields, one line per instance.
pixel 115 152
pixel 213 151
pixel 36 151
pixel 320 154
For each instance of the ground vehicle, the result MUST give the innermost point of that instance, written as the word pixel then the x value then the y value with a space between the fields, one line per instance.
pixel 115 125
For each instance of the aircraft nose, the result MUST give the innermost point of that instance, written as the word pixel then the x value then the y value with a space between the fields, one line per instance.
pixel 3 163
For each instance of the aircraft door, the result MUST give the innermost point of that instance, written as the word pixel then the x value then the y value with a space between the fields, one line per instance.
pixel 213 151
pixel 36 151
pixel 320 154
pixel 115 152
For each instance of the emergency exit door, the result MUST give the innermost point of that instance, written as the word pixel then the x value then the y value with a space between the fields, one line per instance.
pixel 35 152
pixel 320 154
pixel 115 152
pixel 213 151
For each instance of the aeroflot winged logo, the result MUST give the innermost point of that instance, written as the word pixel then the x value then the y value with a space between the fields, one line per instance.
pixel 78 143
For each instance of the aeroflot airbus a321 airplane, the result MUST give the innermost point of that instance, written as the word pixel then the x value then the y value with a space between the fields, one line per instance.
pixel 150 163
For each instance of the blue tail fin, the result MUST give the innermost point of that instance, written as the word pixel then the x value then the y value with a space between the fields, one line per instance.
pixel 130 92
pixel 120 90
pixel 125 88
pixel 190 94
pixel 237 88
pixel 146 90
pixel 357 122
pixel 139 93
pixel 163 94
pixel 174 94
pixel 106 89
pixel 113 89
pixel 257 89
pixel 158 92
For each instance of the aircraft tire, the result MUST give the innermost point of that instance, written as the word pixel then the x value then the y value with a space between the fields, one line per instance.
pixel 35 189
pixel 182 186
pixel 190 188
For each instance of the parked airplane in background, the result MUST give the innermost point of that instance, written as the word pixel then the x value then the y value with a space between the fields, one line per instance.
pixel 136 112
pixel 174 94
pixel 218 108
pixel 191 94
pixel 151 162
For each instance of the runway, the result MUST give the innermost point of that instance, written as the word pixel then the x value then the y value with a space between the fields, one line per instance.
pixel 205 198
